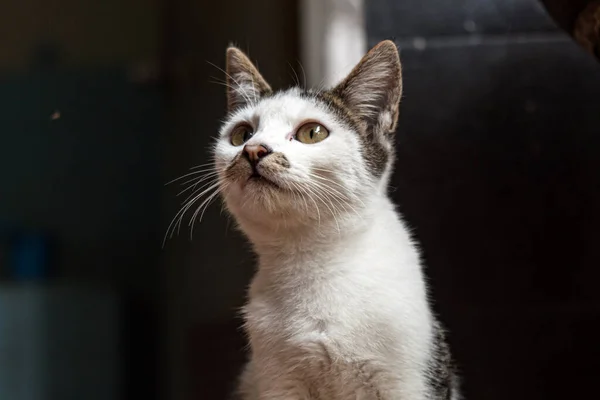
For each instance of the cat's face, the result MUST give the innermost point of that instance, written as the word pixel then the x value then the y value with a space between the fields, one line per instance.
pixel 297 156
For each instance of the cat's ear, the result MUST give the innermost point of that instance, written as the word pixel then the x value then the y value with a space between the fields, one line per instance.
pixel 244 82
pixel 373 88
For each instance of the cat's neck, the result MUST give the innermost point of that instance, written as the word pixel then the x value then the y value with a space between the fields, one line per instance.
pixel 317 241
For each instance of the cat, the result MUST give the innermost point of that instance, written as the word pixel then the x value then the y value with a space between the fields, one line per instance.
pixel 338 306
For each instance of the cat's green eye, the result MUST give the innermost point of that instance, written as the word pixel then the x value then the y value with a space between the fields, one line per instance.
pixel 241 134
pixel 311 133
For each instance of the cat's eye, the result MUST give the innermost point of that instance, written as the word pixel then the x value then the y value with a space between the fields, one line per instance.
pixel 241 134
pixel 312 132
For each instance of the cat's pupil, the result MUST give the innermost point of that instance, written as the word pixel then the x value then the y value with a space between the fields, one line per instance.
pixel 247 135
pixel 312 133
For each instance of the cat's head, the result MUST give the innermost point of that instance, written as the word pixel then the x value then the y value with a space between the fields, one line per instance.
pixel 302 156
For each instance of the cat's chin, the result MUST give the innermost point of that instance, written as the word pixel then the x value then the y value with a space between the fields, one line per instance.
pixel 257 192
pixel 263 199
pixel 255 181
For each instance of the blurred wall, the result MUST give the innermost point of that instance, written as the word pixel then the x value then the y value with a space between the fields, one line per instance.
pixel 80 139
pixel 88 33
pixel 80 151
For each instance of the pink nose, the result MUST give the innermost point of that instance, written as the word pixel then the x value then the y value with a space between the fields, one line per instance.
pixel 254 152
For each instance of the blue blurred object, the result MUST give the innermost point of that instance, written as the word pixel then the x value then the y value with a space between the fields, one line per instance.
pixel 29 257
pixel 3 250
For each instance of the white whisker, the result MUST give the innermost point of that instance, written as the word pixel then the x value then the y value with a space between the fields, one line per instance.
pixel 195 185
pixel 341 199
pixel 314 202
pixel 175 224
pixel 203 206
pixel 192 202
pixel 196 181
pixel 209 164
pixel 187 175
pixel 315 190
pixel 239 87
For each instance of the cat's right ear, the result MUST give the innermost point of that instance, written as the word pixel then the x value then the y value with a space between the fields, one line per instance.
pixel 244 83
pixel 373 89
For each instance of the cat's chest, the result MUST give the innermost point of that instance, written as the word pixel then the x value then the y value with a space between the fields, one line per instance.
pixel 298 313
pixel 334 343
pixel 322 311
pixel 306 334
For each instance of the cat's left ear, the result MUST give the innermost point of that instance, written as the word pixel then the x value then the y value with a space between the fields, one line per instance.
pixel 373 89
pixel 244 82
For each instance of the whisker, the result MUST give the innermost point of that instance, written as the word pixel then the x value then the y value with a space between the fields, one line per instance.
pixel 295 75
pixel 192 202
pixel 175 223
pixel 225 84
pixel 196 191
pixel 172 224
pixel 303 73
pixel 300 194
pixel 219 190
pixel 209 174
pixel 254 91
pixel 333 214
pixel 303 190
pixel 352 195
pixel 345 195
pixel 209 164
pixel 203 206
pixel 239 87
pixel 193 187
pixel 339 198
pixel 186 175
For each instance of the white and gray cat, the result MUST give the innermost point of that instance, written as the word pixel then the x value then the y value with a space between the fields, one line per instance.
pixel 338 307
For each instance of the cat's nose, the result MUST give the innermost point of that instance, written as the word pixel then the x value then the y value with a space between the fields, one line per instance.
pixel 254 152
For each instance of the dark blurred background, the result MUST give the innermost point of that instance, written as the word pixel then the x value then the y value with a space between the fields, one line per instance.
pixel 498 174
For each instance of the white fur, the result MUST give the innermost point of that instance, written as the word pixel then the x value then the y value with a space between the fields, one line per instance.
pixel 338 307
